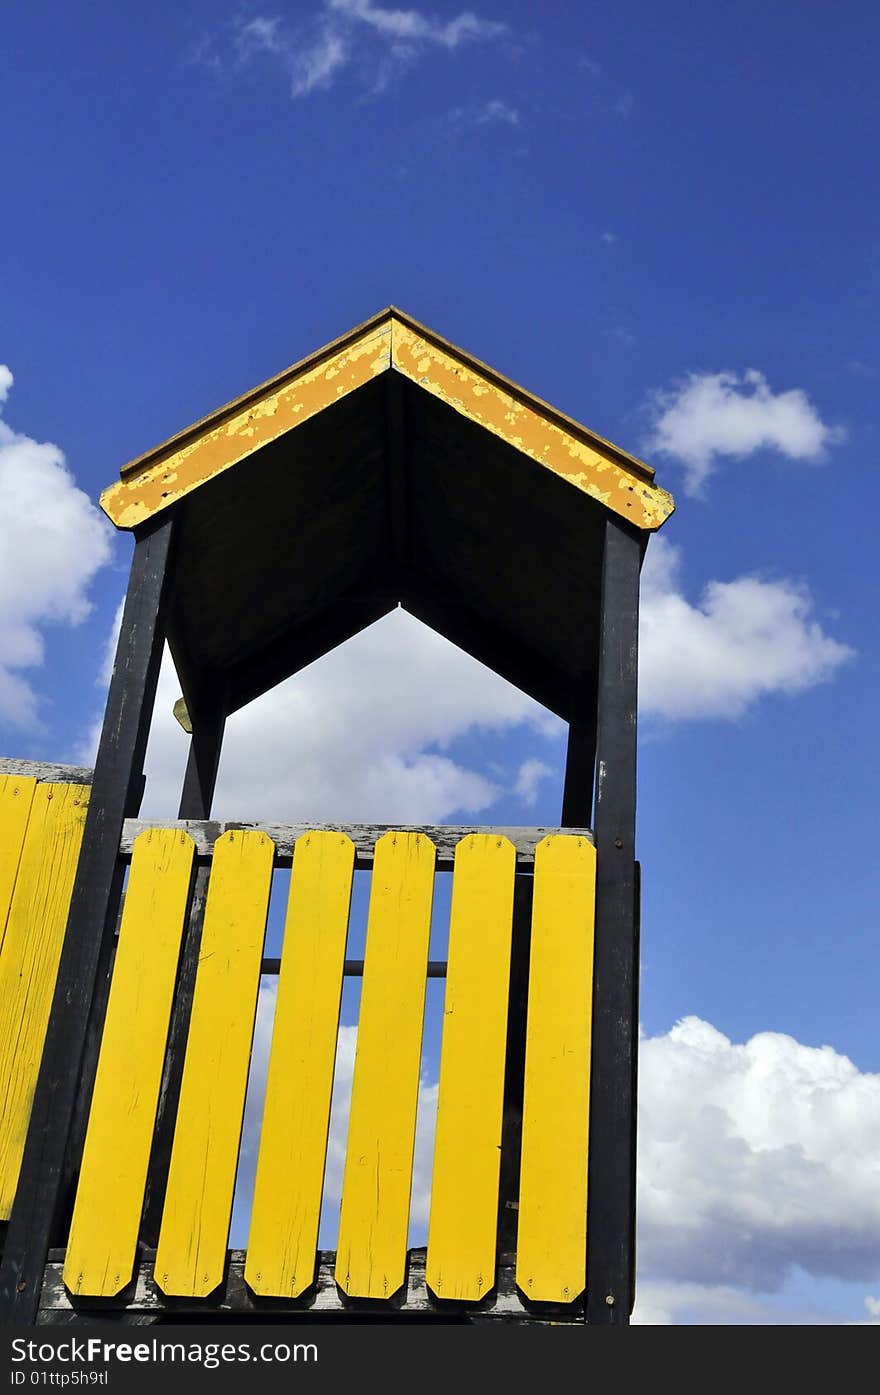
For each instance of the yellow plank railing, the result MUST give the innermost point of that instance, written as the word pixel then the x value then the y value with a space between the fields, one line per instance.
pixel 106 1216
pixel 467 1149
pixel 552 1233
pixel 201 1176
pixel 40 830
pixel 283 1239
pixel 374 1216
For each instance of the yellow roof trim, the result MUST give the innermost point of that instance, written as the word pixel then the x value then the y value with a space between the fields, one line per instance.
pixel 167 473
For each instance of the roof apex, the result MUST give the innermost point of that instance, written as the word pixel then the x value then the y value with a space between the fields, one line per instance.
pixel 389 340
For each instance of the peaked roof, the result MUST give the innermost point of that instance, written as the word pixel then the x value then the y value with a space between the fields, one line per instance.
pixel 388 469
pixel 390 340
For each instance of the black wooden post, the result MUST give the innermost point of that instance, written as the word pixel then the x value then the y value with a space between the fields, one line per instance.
pixel 208 724
pixel 515 1068
pixel 580 759
pixel 116 791
pixel 611 1205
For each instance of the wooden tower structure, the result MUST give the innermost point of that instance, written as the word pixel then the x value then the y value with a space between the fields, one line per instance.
pixel 388 469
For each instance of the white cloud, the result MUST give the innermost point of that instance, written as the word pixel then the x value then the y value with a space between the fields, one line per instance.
pixel 743 639
pixel 712 415
pixel 53 542
pixel 360 734
pixel 721 1305
pixel 754 1160
pixel 342 34
pixel 531 773
pixel 415 27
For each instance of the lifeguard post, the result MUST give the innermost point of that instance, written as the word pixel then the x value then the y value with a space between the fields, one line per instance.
pixel 389 468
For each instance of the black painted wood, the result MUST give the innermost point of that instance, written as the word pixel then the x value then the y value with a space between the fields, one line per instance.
pixel 514 1068
pixel 580 759
pixel 487 643
pixel 208 724
pixel 305 642
pixel 397 465
pixel 611 1208
pixel 91 924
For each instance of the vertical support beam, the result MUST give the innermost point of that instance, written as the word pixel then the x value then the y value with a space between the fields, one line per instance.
pixel 611 1205
pixel 116 789
pixel 580 759
pixel 197 795
pixel 208 725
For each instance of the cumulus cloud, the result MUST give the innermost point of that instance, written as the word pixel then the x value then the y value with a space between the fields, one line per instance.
pixel 754 1159
pixel 364 732
pixel 742 640
pixel 757 1162
pixel 54 541
pixel 344 34
pixel 528 781
pixel 360 734
pixel 709 416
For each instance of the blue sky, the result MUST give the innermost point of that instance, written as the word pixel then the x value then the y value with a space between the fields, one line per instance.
pixel 663 219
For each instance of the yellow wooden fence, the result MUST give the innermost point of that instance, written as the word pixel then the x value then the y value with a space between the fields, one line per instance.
pixel 41 826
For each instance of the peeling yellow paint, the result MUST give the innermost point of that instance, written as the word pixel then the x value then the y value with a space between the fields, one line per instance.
pixel 160 482
pixel 162 477
pixel 531 429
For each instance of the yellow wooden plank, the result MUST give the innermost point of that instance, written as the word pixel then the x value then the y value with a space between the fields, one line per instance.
pixel 201 1178
pixel 371 1251
pixel 552 1230
pixel 283 1240
pixel 467 1156
pixel 35 927
pixel 106 1214
pixel 16 797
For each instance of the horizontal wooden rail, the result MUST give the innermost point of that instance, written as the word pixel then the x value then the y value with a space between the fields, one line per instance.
pixel 143 1301
pixel 46 772
pixel 445 837
pixel 354 968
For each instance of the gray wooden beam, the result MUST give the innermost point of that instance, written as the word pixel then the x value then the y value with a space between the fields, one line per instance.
pixel 445 837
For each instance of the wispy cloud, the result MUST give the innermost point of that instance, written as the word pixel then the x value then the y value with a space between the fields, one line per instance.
pixel 709 416
pixel 463 119
pixel 376 42
pixel 496 112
